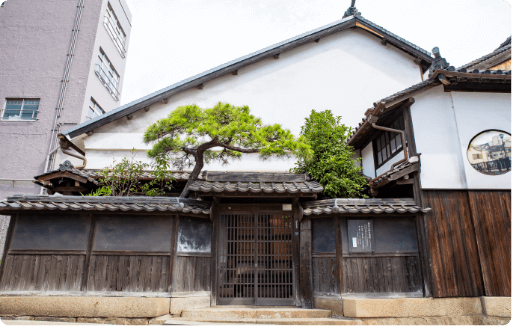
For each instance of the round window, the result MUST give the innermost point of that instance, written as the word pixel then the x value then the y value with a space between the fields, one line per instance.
pixel 489 152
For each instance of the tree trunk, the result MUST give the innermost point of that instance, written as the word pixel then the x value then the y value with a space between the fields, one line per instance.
pixel 195 173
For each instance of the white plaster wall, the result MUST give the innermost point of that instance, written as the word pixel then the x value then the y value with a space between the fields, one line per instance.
pixel 368 161
pixel 344 72
pixel 444 123
pixel 435 132
pixel 476 112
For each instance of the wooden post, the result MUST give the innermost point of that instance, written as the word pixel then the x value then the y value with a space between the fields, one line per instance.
pixel 174 248
pixel 90 243
pixel 7 247
pixel 421 218
pixel 297 216
pixel 306 279
pixel 214 257
pixel 339 253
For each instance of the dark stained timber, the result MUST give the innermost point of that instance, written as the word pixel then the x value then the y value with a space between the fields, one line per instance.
pixel 456 270
pixel 192 274
pixel 491 217
pixel 128 273
pixel 381 274
pixel 325 279
pixel 43 273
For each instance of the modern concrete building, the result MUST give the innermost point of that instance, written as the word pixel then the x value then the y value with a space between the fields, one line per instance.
pixel 62 62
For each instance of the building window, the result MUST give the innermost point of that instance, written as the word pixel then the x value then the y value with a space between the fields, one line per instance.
pixel 21 110
pixel 107 74
pixel 94 110
pixel 388 144
pixel 489 152
pixel 115 30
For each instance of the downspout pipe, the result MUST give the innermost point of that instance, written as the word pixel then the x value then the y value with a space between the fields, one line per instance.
pixel 67 152
pixel 404 146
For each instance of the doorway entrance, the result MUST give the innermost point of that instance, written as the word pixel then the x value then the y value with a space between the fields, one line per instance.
pixel 255 259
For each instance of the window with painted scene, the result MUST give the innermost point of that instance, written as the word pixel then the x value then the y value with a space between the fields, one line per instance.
pixel 194 235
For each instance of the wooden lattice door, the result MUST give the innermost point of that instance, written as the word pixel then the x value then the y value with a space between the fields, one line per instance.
pixel 255 259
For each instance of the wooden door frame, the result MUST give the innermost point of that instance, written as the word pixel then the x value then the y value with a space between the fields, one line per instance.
pixel 220 209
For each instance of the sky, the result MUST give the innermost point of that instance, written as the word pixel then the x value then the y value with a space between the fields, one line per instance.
pixel 172 40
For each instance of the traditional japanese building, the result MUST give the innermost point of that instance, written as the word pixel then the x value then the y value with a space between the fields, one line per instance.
pixel 253 233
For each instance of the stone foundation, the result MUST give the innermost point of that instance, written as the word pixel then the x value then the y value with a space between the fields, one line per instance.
pixel 335 305
pixel 191 302
pixel 413 307
pixel 110 307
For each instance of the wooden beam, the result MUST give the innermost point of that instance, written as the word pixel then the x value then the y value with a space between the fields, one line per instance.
pixel 297 217
pixel 62 175
pixel 214 261
pixel 306 275
pixel 404 181
pixel 90 243
pixel 173 252
pixel 70 189
pixel 421 223
pixel 339 252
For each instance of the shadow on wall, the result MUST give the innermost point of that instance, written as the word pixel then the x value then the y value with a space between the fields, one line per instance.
pixel 4 224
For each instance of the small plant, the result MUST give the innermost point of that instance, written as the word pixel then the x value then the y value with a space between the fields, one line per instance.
pixel 123 178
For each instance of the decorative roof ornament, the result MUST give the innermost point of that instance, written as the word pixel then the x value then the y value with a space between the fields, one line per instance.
pixel 438 63
pixel 352 10
pixel 66 166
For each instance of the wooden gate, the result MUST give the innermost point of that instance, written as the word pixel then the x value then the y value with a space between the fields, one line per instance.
pixel 255 259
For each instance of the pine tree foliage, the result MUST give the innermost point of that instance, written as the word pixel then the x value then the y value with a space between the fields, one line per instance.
pixel 190 134
pixel 332 162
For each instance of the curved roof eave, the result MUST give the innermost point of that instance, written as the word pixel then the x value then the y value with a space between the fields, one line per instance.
pixel 244 61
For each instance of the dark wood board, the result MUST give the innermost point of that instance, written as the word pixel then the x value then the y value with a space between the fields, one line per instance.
pixel 306 277
pixel 453 249
pixel 192 274
pixel 491 217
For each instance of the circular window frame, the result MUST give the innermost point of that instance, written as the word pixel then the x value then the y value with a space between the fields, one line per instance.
pixel 469 145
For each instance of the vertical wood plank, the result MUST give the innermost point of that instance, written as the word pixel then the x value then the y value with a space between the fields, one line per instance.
pixel 306 280
pixel 90 244
pixel 339 254
pixel 7 247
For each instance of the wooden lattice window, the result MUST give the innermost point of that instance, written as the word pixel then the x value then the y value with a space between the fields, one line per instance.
pixel 388 144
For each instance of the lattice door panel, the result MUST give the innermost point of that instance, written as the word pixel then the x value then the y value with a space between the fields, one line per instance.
pixel 275 283
pixel 255 259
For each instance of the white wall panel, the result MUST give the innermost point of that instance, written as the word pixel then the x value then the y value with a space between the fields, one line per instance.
pixel 337 74
pixel 476 112
pixel 435 132
pixel 368 161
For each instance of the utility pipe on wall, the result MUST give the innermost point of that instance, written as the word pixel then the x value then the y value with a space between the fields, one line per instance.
pixel 67 152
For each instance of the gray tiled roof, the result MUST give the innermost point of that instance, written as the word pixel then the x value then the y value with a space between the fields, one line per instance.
pixel 68 167
pixel 89 203
pixel 362 206
pixel 410 162
pixel 257 187
pixel 487 56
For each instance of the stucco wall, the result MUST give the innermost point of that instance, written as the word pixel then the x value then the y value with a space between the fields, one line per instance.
pixel 95 88
pixel 35 41
pixel 343 72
